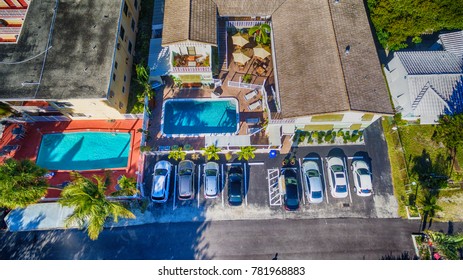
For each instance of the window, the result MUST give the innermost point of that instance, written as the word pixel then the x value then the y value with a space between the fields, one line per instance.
pixel 122 33
pixel 115 65
pixel 123 89
pixel 135 3
pixel 114 77
pixel 130 47
pixel 125 78
pixel 111 94
pixel 191 50
pixel 133 25
pixel 126 8
pixel 121 105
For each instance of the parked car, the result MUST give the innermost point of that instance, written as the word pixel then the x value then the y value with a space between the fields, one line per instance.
pixel 235 186
pixel 337 177
pixel 313 181
pixel 211 180
pixel 186 169
pixel 362 178
pixel 161 181
pixel 291 189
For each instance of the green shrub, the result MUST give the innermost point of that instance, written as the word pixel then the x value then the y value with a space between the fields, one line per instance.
pixel 354 138
pixel 328 137
pixel 340 133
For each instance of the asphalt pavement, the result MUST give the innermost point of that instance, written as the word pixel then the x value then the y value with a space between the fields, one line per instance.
pixel 321 239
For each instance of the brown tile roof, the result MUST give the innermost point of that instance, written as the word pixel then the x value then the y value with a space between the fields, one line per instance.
pixel 190 20
pixel 247 7
pixel 310 76
pixel 365 82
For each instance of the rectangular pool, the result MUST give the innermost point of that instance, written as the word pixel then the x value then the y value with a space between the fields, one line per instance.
pixel 84 150
pixel 199 117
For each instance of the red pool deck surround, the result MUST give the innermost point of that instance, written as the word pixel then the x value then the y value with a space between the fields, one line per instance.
pixel 30 144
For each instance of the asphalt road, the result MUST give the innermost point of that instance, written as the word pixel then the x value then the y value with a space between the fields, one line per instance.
pixel 291 239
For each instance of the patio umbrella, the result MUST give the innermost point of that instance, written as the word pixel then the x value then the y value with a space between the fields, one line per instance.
pixel 262 51
pixel 240 57
pixel 240 39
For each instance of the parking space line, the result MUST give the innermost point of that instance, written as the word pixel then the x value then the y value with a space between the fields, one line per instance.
pixel 303 182
pixel 233 163
pixel 348 183
pixel 174 206
pixel 245 184
pixel 324 181
pixel 223 186
pixel 256 163
pixel 199 182
pixel 273 187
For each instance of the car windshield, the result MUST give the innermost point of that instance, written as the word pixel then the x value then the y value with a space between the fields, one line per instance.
pixel 235 178
pixel 313 173
pixel 337 168
pixel 211 172
pixel 290 181
pixel 341 189
pixel 316 194
pixel 161 172
pixel 363 171
pixel 340 175
pixel 187 171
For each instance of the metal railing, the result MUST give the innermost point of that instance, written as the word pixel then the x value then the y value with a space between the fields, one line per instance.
pixel 187 69
pixel 244 24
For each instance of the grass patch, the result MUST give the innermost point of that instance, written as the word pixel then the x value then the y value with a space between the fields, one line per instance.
pixel 398 165
pixel 451 201
pixel 5 110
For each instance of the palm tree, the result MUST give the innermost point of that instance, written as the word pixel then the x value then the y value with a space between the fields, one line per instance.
pixel 91 207
pixel 446 245
pixel 261 33
pixel 143 80
pixel 21 183
pixel 177 154
pixel 211 152
pixel 127 185
pixel 430 207
pixel 246 153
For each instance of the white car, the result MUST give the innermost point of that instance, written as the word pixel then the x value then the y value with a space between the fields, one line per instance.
pixel 337 177
pixel 211 180
pixel 161 181
pixel 362 178
pixel 313 181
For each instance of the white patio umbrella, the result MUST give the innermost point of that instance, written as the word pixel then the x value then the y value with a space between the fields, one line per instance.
pixel 262 51
pixel 240 39
pixel 240 57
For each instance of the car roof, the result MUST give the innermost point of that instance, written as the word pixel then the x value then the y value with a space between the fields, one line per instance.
pixel 159 183
pixel 315 184
pixel 365 181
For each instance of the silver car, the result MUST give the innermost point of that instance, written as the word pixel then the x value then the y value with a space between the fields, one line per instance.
pixel 313 181
pixel 161 181
pixel 362 178
pixel 211 180
pixel 186 169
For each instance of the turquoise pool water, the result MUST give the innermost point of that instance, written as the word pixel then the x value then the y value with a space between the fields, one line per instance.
pixel 84 150
pixel 200 116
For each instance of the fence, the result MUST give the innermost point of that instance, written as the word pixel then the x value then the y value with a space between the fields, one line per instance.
pixel 244 85
pixel 191 69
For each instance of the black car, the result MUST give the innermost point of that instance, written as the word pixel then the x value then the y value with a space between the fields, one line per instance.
pixel 291 197
pixel 235 186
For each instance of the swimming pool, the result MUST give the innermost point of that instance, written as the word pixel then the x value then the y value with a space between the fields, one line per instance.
pixel 84 150
pixel 199 117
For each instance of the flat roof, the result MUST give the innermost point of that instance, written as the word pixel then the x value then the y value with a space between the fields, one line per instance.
pixel 79 62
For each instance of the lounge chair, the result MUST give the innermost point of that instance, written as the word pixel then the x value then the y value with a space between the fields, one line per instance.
pixel 255 105
pixel 252 130
pixel 251 95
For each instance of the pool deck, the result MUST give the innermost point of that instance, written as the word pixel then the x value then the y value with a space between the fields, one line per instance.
pixel 30 143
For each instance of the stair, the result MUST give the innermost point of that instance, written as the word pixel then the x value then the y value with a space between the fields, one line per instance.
pixel 420 96
pixel 222 43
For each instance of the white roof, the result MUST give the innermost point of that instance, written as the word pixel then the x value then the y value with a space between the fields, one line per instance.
pixel 435 95
pixel 224 141
pixel 274 135
pixel 453 42
pixel 430 62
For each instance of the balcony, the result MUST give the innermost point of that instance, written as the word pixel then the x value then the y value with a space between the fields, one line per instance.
pixel 191 63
